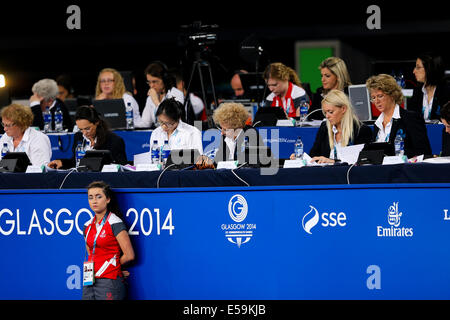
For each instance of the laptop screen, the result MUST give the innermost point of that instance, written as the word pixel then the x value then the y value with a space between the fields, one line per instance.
pixel 112 111
pixel 359 96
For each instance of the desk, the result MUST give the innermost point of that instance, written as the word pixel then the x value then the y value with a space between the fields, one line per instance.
pixel 280 139
pixel 328 175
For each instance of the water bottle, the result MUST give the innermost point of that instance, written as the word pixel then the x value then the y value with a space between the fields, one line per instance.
pixel 79 154
pixel 298 148
pixel 129 116
pixel 58 120
pixel 401 80
pixel 154 152
pixel 245 144
pixel 47 120
pixel 399 144
pixel 304 106
pixel 5 149
pixel 165 152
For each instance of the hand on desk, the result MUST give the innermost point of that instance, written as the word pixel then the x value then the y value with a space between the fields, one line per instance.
pixel 203 162
pixel 318 160
pixel 55 164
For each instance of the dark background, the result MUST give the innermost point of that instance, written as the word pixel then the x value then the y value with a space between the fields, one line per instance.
pixel 35 42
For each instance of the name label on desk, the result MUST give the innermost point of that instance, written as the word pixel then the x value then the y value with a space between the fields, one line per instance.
pixel 147 167
pixel 297 163
pixel 111 168
pixel 34 169
pixel 227 164
pixel 394 159
pixel 285 123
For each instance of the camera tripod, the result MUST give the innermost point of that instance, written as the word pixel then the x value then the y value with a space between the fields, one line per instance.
pixel 197 65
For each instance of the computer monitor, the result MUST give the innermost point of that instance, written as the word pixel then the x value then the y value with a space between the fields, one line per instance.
pixel 257 157
pixel 14 162
pixel 94 160
pixel 112 111
pixel 253 85
pixel 359 96
pixel 182 158
pixel 268 116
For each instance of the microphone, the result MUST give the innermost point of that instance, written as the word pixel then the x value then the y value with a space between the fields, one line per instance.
pixel 314 111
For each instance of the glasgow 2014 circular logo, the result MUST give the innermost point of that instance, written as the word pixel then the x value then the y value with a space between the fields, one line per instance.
pixel 238 208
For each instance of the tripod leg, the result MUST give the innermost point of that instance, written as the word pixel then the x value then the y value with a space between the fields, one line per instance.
pixel 212 86
pixel 202 84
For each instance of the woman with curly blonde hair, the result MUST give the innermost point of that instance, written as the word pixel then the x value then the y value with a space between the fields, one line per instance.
pixel 230 118
pixel 286 89
pixel 110 85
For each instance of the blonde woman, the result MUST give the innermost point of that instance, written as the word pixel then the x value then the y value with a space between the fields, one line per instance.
pixel 341 129
pixel 286 89
pixel 110 85
pixel 387 96
pixel 334 75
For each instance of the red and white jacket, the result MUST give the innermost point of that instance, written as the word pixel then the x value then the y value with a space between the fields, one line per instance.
pixel 294 96
pixel 107 250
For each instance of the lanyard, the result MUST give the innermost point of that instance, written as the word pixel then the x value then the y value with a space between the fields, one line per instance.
pixel 98 232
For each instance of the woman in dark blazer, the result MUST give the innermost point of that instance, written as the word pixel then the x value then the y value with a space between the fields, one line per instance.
pixel 231 118
pixel 386 94
pixel 94 134
pixel 429 73
pixel 341 129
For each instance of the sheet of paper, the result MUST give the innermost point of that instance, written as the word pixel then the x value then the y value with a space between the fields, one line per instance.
pixel 350 154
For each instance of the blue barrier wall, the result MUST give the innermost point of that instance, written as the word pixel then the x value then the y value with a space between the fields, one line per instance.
pixel 327 242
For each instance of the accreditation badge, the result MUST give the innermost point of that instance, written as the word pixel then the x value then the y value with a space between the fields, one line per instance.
pixel 88 273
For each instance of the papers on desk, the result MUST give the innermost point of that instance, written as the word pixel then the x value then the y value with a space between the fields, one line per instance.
pixel 350 154
pixel 437 160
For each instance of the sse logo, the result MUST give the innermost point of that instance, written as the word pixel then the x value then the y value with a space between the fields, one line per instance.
pixel 333 219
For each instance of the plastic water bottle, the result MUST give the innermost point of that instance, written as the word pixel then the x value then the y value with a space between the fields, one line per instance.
pixel 304 106
pixel 79 154
pixel 154 152
pixel 165 152
pixel 129 116
pixel 298 148
pixel 400 80
pixel 399 144
pixel 5 149
pixel 47 120
pixel 58 120
pixel 245 144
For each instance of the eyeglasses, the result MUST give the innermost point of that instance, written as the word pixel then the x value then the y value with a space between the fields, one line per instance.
pixel 379 97
pixel 8 125
pixel 106 80
pixel 166 124
pixel 418 67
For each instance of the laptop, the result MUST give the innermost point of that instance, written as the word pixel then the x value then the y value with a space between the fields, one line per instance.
pixel 359 96
pixel 268 116
pixel 182 158
pixel 112 111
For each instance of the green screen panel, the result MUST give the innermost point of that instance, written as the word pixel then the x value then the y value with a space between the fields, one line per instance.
pixel 309 60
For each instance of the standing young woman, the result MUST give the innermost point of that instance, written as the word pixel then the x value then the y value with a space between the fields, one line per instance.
pixel 108 246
